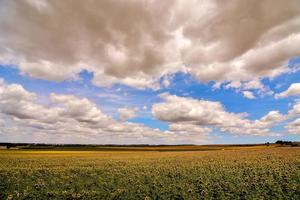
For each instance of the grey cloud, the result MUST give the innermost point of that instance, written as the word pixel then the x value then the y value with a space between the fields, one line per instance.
pixel 113 39
pixel 138 42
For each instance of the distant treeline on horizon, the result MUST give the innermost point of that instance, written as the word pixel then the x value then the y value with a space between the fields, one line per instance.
pixel 10 145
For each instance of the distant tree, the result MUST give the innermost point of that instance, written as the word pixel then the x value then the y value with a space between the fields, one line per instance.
pixel 295 144
pixel 281 142
pixel 10 145
pixel 278 142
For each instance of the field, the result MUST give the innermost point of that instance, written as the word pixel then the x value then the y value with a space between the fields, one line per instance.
pixel 168 173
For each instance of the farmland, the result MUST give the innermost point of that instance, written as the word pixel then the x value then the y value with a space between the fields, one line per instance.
pixel 258 172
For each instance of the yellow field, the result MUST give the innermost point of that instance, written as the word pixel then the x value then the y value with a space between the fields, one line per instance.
pixel 233 173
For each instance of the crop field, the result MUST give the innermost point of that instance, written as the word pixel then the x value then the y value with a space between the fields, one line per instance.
pixel 230 173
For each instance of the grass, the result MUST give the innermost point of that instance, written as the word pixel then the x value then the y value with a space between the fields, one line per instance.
pixel 254 172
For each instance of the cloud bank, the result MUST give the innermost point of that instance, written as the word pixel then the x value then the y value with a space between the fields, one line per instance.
pixel 69 116
pixel 63 117
pixel 137 43
pixel 208 114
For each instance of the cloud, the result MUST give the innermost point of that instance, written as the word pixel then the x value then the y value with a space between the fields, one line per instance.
pixel 64 115
pixel 127 113
pixel 234 85
pixel 69 118
pixel 207 114
pixel 120 42
pixel 16 101
pixel 249 89
pixel 294 127
pixel 248 95
pixel 253 84
pixel 273 117
pixel 293 90
pixel 136 43
pixel 226 54
pixel 295 110
pixel 186 132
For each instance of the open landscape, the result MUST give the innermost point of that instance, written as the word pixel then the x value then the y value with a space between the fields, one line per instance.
pixel 168 172
pixel 149 99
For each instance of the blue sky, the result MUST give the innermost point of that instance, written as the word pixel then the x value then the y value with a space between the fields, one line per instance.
pixel 117 96
pixel 148 72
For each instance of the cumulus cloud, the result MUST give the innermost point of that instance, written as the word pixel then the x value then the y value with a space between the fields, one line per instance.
pixel 294 127
pixel 68 116
pixel 248 95
pixel 253 84
pixel 184 132
pixel 293 90
pixel 71 117
pixel 205 114
pixel 136 43
pixel 127 113
pixel 295 110
pixel 120 42
pixel 250 89
pixel 273 117
pixel 228 54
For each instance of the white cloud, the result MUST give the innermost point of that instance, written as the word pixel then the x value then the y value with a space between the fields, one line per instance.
pixel 138 42
pixel 181 109
pixel 204 113
pixel 233 84
pixel 186 132
pixel 65 115
pixel 248 95
pixel 166 82
pixel 294 127
pixel 295 109
pixel 273 117
pixel 254 84
pixel 293 90
pixel 249 89
pixel 145 108
pixel 69 118
pixel 127 113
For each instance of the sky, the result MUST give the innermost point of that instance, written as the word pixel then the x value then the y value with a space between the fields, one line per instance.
pixel 149 72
